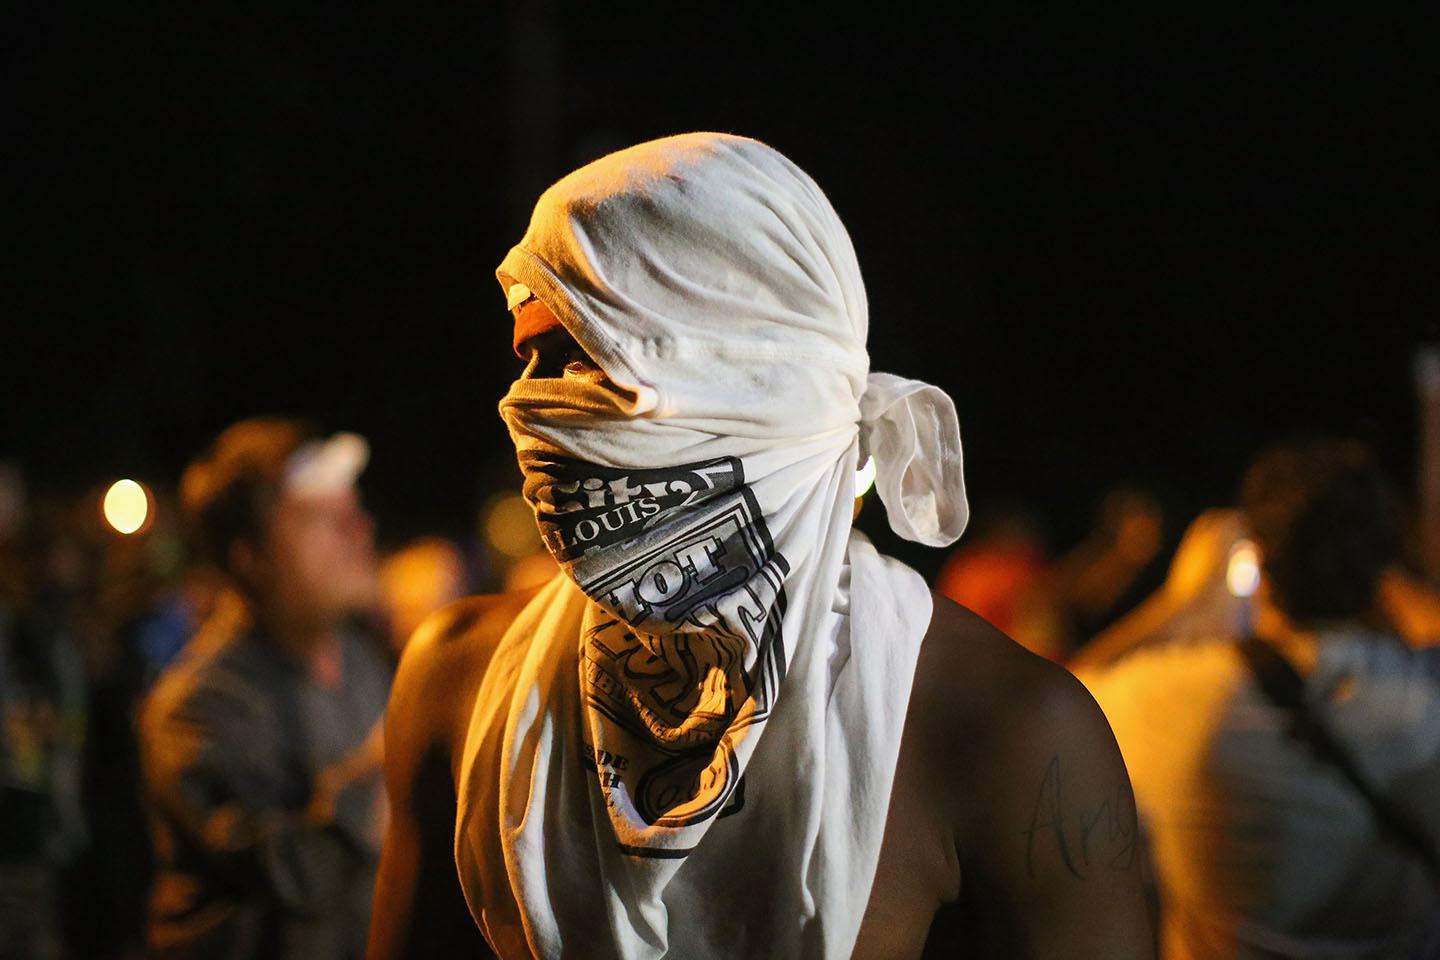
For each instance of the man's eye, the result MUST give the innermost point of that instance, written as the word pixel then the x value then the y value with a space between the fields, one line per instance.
pixel 556 354
pixel 578 362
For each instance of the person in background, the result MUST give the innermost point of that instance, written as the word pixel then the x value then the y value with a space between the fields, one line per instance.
pixel 1054 608
pixel 42 727
pixel 1089 587
pixel 260 744
pixel 1427 396
pixel 1207 592
pixel 1262 844
pixel 149 603
pixel 1411 593
pixel 998 574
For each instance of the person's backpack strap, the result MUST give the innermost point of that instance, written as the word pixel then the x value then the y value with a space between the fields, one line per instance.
pixel 1283 687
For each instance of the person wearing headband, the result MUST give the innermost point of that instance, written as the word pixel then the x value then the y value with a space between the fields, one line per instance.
pixel 729 727
pixel 261 744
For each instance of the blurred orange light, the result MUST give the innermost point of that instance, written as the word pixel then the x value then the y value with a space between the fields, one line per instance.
pixel 126 506
pixel 510 526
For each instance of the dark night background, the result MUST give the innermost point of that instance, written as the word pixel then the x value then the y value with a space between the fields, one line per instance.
pixel 1134 247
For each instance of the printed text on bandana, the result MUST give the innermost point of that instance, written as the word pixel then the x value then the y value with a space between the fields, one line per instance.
pixel 691 657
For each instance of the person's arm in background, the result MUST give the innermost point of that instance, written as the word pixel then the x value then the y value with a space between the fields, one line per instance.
pixel 360 764
pixel 1196 596
pixel 1427 390
pixel 214 774
pixel 1410 602
pixel 1412 607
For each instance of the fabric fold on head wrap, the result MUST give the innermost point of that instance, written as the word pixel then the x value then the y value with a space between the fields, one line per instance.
pixel 708 702
pixel 912 431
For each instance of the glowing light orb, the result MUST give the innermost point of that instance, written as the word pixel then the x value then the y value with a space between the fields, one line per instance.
pixel 865 477
pixel 126 506
pixel 1242 576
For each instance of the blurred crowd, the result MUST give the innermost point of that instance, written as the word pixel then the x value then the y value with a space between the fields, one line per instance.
pixel 192 695
pixel 192 680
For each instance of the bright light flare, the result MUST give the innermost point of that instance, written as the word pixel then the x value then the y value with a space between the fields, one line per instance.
pixel 126 506
pixel 1242 576
pixel 865 477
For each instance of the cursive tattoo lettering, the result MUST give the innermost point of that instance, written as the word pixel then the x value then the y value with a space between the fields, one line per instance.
pixel 1102 836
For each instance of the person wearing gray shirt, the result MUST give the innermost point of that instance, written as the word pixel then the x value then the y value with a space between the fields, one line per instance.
pixel 261 744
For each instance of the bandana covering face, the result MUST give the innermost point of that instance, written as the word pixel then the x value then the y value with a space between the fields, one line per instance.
pixel 684 746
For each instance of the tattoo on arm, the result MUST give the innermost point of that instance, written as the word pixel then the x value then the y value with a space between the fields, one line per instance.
pixel 1084 839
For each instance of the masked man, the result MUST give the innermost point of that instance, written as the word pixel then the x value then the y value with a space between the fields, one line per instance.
pixel 731 728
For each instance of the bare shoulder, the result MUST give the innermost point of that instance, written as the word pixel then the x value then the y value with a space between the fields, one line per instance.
pixel 442 666
pixel 973 683
pixel 1036 793
pixel 419 909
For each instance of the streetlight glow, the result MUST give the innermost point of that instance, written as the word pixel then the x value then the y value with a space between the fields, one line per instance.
pixel 126 506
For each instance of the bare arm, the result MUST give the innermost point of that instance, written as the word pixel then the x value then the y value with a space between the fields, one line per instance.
pixel 1065 861
pixel 419 909
pixel 1046 828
